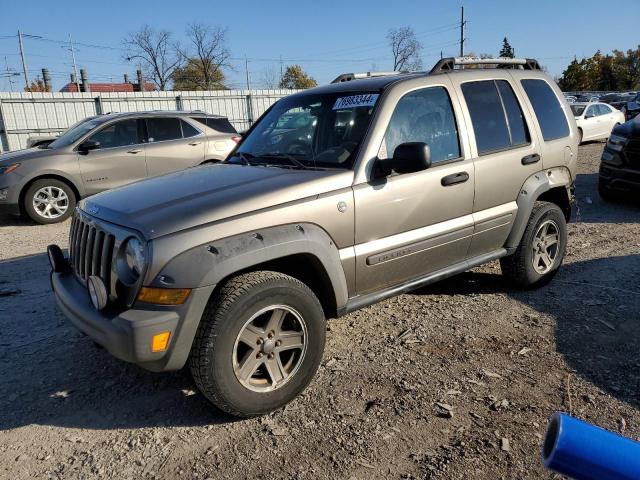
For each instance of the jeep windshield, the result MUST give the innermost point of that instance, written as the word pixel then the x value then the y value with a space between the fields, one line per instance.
pixel 309 131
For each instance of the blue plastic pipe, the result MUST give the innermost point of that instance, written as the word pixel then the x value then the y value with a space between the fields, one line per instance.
pixel 585 452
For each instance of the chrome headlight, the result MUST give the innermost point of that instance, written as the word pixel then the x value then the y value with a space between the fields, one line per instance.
pixel 616 142
pixel 133 260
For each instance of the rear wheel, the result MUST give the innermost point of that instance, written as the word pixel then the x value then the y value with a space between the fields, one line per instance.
pixel 259 343
pixel 49 201
pixel 580 135
pixel 541 249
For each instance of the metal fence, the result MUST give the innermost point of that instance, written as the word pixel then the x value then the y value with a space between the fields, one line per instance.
pixel 30 114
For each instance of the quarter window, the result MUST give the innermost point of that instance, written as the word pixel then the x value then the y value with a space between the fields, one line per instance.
pixel 498 122
pixel 118 134
pixel 546 105
pixel 425 115
pixel 162 129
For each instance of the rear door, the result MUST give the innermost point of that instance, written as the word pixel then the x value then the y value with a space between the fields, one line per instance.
pixel 172 144
pixel 119 160
pixel 505 154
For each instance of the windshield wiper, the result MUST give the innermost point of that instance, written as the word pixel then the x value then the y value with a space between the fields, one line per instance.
pixel 245 157
pixel 285 156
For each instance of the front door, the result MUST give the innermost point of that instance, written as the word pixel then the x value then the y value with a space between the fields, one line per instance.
pixel 409 225
pixel 173 144
pixel 119 160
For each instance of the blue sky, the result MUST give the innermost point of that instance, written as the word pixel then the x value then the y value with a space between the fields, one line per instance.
pixel 325 37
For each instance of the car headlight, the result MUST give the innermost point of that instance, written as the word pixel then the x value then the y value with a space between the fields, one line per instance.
pixel 616 142
pixel 132 260
pixel 9 168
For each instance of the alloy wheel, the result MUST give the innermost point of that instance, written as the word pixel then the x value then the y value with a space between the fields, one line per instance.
pixel 546 245
pixel 50 202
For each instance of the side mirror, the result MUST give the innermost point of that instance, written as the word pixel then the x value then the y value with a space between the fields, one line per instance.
pixel 88 145
pixel 408 157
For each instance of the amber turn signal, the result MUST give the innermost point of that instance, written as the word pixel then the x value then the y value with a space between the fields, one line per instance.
pixel 160 341
pixel 164 296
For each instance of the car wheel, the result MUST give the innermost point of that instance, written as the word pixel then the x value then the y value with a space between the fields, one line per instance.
pixel 259 343
pixel 49 201
pixel 580 136
pixel 541 249
pixel 606 193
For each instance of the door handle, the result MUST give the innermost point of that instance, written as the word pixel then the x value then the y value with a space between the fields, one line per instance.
pixel 454 179
pixel 530 159
pixel 193 144
pixel 135 150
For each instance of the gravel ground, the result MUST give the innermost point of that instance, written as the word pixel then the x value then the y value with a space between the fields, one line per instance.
pixel 452 381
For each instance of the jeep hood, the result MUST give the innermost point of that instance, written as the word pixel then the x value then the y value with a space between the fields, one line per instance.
pixel 162 205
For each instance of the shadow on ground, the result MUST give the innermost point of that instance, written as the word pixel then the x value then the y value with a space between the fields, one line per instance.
pixel 52 374
pixel 596 305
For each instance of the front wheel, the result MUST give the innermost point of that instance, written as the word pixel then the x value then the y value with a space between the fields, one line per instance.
pixel 49 201
pixel 541 249
pixel 259 343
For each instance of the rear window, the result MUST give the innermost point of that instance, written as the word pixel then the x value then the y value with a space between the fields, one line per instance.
pixel 219 124
pixel 498 122
pixel 546 105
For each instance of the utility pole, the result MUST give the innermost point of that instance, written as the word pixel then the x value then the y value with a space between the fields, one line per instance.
pixel 73 57
pixel 246 70
pixel 24 62
pixel 462 23
pixel 281 70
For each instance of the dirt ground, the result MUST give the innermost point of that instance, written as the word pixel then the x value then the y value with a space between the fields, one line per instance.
pixel 452 381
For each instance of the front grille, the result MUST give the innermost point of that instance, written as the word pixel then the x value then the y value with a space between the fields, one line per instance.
pixel 90 250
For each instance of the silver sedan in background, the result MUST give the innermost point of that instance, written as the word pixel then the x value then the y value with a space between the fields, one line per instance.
pixel 105 152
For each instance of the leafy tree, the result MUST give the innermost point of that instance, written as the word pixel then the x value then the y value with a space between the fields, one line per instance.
pixel 190 77
pixel 507 50
pixel 207 55
pixel 405 48
pixel 618 71
pixel 37 86
pixel 296 78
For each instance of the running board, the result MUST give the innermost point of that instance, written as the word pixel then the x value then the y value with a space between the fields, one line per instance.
pixel 361 301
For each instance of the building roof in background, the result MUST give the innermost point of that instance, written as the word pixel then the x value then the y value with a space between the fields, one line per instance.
pixel 110 87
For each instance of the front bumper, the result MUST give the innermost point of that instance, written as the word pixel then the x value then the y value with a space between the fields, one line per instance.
pixel 618 177
pixel 10 200
pixel 127 334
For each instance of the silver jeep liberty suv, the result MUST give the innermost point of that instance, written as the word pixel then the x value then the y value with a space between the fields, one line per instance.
pixel 338 197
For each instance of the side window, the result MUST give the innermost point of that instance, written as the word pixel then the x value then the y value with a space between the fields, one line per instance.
pixel 591 111
pixel 118 134
pixel 498 122
pixel 424 116
pixel 546 105
pixel 161 129
pixel 604 110
pixel 221 124
pixel 188 130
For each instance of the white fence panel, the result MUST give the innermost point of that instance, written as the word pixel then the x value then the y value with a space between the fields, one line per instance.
pixel 31 114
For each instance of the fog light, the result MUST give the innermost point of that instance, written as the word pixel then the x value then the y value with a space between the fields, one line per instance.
pixel 3 193
pixel 56 259
pixel 160 341
pixel 97 292
pixel 164 296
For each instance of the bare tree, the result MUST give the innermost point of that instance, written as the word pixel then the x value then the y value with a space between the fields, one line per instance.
pixel 158 54
pixel 271 77
pixel 405 48
pixel 208 53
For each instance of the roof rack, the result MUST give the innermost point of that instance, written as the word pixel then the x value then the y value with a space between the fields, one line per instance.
pixel 346 77
pixel 449 64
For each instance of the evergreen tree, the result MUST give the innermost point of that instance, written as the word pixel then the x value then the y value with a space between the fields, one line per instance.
pixel 507 50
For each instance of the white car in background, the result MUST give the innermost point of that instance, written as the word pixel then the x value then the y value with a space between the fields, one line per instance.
pixel 595 120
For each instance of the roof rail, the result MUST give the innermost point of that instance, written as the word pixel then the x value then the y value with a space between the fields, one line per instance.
pixel 449 64
pixel 345 77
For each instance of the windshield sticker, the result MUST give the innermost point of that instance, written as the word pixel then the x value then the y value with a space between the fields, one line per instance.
pixel 366 100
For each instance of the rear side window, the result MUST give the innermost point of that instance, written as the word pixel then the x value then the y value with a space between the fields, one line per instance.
pixel 162 129
pixel 498 122
pixel 188 130
pixel 551 118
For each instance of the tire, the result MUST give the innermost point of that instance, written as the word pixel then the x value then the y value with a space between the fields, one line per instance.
pixel 218 354
pixel 606 193
pixel 580 135
pixel 40 192
pixel 519 267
